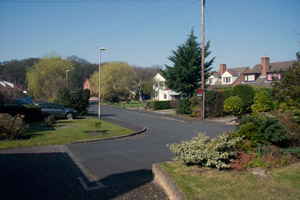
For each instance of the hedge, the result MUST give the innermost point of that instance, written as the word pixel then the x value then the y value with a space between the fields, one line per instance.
pixel 160 105
pixel 32 113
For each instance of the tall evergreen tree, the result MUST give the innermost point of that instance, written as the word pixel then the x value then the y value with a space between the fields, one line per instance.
pixel 185 75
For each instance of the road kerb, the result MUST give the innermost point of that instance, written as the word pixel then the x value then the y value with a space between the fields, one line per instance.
pixel 105 139
pixel 167 183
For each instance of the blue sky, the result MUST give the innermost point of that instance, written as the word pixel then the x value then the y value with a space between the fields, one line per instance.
pixel 144 32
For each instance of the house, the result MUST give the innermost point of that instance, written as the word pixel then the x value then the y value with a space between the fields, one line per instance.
pixel 87 85
pixel 5 85
pixel 161 91
pixel 226 77
pixel 262 74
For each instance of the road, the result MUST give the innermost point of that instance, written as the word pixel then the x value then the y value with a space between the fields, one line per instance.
pixel 125 164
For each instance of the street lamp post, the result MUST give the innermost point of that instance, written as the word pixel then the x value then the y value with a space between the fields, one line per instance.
pixel 99 96
pixel 67 78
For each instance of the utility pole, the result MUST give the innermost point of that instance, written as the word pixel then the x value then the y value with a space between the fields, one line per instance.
pixel 202 66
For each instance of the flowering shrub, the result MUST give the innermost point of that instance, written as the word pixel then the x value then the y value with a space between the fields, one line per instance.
pixel 202 150
pixel 11 127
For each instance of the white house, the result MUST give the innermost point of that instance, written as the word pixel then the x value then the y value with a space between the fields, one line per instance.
pixel 162 92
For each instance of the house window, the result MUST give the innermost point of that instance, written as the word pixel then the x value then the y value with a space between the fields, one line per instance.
pixel 226 79
pixel 270 76
pixel 211 80
pixel 165 96
pixel 249 78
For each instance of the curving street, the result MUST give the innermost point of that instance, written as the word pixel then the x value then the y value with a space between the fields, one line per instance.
pixel 124 165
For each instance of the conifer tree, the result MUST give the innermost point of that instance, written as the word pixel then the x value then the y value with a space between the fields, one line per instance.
pixel 185 74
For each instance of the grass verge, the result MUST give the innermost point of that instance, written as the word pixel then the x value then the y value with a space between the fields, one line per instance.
pixel 207 183
pixel 133 104
pixel 65 132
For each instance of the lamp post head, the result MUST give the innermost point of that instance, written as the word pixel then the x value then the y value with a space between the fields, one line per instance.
pixel 67 70
pixel 102 48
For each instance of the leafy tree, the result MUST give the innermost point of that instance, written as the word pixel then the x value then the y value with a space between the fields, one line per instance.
pixel 46 77
pixel 185 75
pixel 287 90
pixel 83 70
pixel 118 79
pixel 15 70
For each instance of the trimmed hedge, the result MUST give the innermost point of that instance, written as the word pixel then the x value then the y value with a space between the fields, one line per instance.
pixel 32 113
pixel 160 105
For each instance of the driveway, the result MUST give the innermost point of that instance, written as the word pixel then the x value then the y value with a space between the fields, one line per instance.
pixel 125 164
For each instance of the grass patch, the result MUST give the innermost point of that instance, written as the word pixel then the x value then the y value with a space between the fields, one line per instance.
pixel 131 104
pixel 207 183
pixel 65 131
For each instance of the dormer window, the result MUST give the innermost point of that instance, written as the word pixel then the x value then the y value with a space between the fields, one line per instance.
pixel 226 79
pixel 270 76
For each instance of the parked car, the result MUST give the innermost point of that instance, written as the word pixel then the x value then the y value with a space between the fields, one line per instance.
pixel 57 110
pixel 146 97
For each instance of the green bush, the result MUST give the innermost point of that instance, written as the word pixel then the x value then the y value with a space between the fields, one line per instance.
pixel 32 113
pixel 234 105
pixel 246 93
pixel 267 128
pixel 11 127
pixel 250 133
pixel 214 103
pixel 160 105
pixel 201 150
pixel 228 91
pixel 63 97
pixel 195 107
pixel 184 107
pixel 262 101
pixel 80 101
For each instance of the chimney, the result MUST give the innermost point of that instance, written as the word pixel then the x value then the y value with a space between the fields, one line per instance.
pixel 265 63
pixel 222 68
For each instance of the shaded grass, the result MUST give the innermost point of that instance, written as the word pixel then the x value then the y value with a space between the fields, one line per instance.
pixel 66 131
pixel 207 183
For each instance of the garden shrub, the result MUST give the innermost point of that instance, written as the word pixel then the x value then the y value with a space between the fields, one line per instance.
pixel 80 101
pixel 246 93
pixel 175 103
pixel 50 120
pixel 249 132
pixel 203 151
pixel 227 91
pixel 267 128
pixel 195 107
pixel 96 125
pixel 214 103
pixel 32 113
pixel 234 105
pixel 262 101
pixel 184 107
pixel 11 127
pixel 160 105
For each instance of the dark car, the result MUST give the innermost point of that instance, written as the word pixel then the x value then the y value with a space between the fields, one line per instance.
pixel 146 97
pixel 57 110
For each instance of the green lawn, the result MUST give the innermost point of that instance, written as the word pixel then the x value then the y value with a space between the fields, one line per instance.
pixel 207 183
pixel 134 104
pixel 66 131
